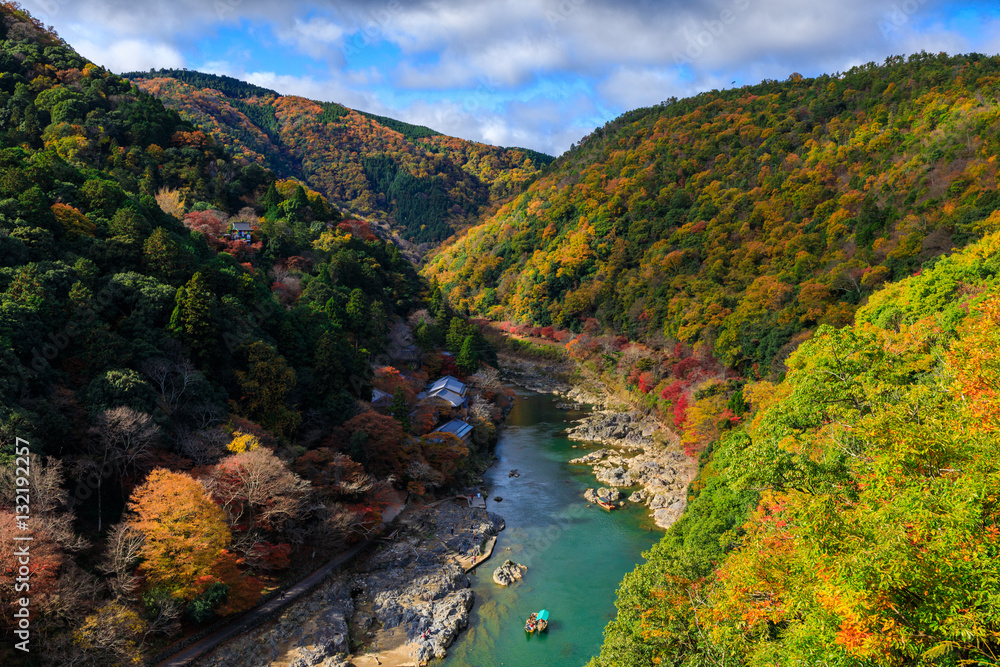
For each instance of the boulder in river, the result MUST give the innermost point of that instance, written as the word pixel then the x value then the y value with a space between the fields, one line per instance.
pixel 508 573
pixel 592 457
pixel 638 496
pixel 618 476
pixel 602 494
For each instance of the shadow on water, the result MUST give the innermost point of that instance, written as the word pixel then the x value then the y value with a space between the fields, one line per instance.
pixel 576 553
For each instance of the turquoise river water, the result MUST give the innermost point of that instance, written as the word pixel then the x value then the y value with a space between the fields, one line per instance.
pixel 576 553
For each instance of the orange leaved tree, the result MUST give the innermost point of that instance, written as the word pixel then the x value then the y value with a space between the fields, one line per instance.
pixel 185 531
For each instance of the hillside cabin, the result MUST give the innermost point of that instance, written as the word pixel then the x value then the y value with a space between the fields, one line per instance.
pixel 380 398
pixel 240 231
pixel 459 428
pixel 447 389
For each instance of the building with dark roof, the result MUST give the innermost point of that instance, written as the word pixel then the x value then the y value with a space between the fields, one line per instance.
pixel 458 428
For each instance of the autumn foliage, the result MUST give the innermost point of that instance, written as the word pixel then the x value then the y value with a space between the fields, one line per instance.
pixel 185 531
pixel 850 517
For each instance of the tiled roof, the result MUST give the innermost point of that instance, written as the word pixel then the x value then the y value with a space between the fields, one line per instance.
pixel 450 383
pixel 445 394
pixel 456 426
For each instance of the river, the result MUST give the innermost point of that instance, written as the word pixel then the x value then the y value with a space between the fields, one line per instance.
pixel 576 553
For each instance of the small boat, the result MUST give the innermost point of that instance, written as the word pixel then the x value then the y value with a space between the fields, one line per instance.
pixel 542 622
pixel 530 624
pixel 537 621
pixel 605 505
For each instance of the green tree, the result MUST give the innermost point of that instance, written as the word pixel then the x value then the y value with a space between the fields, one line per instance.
pixel 456 334
pixel 265 387
pixel 468 360
pixel 358 315
pixel 193 320
pixel 163 257
pixel 272 199
pixel 399 409
pixel 129 223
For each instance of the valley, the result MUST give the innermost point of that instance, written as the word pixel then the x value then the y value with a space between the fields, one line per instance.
pixel 759 325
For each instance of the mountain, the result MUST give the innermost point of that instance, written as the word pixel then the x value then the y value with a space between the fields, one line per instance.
pixel 177 325
pixel 738 218
pixel 425 184
pixel 850 516
pixel 802 278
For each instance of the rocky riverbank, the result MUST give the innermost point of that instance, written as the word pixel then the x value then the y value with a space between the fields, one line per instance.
pixel 402 605
pixel 544 377
pixel 660 469
pixel 637 451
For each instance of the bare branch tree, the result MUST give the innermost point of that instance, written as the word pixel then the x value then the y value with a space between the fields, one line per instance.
pixel 175 381
pixel 205 446
pixel 167 621
pixel 121 557
pixel 487 377
pixel 420 315
pixel 48 499
pixel 121 441
pixel 257 489
pixel 206 415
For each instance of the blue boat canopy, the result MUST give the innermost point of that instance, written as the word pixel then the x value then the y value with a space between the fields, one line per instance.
pixel 543 615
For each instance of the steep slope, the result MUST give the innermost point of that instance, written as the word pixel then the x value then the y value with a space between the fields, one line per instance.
pixel 736 219
pixel 424 183
pixel 153 368
pixel 853 519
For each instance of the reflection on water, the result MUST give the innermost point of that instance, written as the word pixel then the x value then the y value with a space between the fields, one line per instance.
pixel 576 553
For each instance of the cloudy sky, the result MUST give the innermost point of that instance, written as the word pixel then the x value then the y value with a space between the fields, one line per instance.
pixel 534 73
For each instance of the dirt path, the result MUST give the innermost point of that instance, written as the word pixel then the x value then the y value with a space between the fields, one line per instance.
pixel 258 615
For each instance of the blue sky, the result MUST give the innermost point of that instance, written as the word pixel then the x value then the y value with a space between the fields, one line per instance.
pixel 539 74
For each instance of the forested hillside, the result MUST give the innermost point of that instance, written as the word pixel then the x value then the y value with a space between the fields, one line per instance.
pixel 728 259
pixel 737 219
pixel 853 518
pixel 422 182
pixel 188 345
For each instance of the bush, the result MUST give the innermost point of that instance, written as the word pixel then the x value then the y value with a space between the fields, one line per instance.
pixel 202 608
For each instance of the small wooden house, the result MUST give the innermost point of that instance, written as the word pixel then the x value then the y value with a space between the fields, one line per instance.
pixel 447 389
pixel 380 398
pixel 458 428
pixel 240 231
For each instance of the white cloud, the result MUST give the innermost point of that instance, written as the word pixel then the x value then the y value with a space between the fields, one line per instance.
pixel 484 56
pixel 629 87
pixel 130 55
pixel 315 37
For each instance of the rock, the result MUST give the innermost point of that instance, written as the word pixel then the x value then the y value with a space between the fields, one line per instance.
pixel 638 496
pixel 603 494
pixel 618 476
pixel 497 499
pixel 622 429
pixel 659 501
pixel 508 573
pixel 592 457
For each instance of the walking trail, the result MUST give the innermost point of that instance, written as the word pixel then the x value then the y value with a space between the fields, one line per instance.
pixel 258 615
